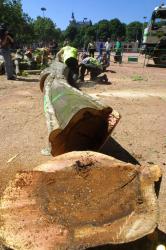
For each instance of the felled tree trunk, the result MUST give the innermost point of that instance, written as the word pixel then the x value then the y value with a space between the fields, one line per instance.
pixel 75 120
pixel 79 200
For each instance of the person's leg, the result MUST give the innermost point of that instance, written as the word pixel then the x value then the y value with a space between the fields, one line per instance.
pixel 95 71
pixel 82 72
pixel 105 78
pixel 116 57
pixel 8 63
pixel 108 55
pixel 120 58
pixel 100 51
pixel 72 64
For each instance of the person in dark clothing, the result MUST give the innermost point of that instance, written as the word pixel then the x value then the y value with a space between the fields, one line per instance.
pixel 101 48
pixel 91 48
pixel 53 48
pixel 6 42
pixel 118 51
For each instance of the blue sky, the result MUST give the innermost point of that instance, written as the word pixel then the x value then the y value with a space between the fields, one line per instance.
pixel 60 10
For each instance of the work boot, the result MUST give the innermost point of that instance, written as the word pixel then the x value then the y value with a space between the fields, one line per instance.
pixel 105 78
pixel 12 78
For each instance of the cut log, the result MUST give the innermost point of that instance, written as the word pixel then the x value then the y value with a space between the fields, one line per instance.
pixel 75 121
pixel 56 69
pixel 79 200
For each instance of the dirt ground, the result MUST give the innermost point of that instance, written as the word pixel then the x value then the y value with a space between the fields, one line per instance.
pixel 138 93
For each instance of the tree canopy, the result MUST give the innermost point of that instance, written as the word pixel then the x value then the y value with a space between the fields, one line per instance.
pixel 27 31
pixel 134 31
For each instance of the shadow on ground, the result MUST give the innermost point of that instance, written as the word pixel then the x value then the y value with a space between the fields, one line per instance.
pixel 114 149
pixel 90 84
pixel 28 79
pixel 156 65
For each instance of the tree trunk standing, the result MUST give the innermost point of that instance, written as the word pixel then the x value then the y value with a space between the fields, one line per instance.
pixel 79 200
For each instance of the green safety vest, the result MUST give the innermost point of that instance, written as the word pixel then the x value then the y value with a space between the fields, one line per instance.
pixel 69 52
pixel 94 61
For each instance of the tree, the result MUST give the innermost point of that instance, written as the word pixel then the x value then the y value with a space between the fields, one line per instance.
pixel 134 31
pixel 117 29
pixel 18 23
pixel 26 30
pixel 91 32
pixel 81 37
pixel 103 30
pixel 71 32
pixel 45 30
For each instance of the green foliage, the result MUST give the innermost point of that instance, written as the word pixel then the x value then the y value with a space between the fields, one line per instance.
pixel 18 23
pixel 45 30
pixel 27 31
pixel 71 32
pixel 117 29
pixel 103 30
pixel 91 32
pixel 24 73
pixel 134 31
pixel 137 78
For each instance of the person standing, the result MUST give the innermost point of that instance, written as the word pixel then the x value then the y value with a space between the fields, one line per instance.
pixel 118 51
pixel 5 45
pixel 91 48
pixel 100 48
pixel 53 47
pixel 108 46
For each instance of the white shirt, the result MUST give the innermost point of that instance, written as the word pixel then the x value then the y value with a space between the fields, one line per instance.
pixel 108 45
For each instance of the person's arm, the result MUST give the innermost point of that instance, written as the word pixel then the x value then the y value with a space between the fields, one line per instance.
pixel 11 40
pixel 59 55
pixel 6 39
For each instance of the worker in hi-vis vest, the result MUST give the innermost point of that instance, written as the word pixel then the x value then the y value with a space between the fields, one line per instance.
pixel 68 55
pixel 95 68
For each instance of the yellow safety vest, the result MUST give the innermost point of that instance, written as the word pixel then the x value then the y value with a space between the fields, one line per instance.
pixel 69 52
pixel 94 61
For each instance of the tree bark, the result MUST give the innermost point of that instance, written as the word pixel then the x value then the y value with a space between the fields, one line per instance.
pixel 75 120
